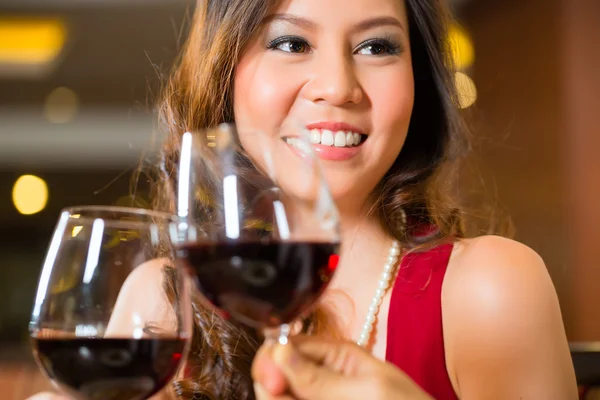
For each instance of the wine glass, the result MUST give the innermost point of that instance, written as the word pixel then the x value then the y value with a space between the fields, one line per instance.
pixel 111 318
pixel 258 229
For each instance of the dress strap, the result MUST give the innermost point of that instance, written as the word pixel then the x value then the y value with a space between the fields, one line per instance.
pixel 415 340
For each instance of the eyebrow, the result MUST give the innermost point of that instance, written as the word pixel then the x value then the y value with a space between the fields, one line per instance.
pixel 292 19
pixel 376 22
pixel 361 26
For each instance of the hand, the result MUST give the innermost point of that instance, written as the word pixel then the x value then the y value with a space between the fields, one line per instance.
pixel 311 368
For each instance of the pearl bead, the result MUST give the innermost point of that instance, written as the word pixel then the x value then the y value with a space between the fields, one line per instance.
pixel 382 286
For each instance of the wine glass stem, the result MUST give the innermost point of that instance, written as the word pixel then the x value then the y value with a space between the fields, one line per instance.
pixel 277 335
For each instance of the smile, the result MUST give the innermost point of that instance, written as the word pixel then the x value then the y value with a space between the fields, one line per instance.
pixel 338 151
pixel 330 138
pixel 334 141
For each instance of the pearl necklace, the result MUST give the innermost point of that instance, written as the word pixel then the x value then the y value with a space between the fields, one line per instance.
pixel 382 287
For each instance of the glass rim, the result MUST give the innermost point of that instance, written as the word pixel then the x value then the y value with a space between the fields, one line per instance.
pixel 117 211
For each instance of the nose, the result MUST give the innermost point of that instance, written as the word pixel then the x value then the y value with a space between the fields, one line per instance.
pixel 333 81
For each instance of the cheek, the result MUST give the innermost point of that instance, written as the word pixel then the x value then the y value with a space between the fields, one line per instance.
pixel 263 94
pixel 392 99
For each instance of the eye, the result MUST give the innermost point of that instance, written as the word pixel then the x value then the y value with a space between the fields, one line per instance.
pixel 378 47
pixel 289 44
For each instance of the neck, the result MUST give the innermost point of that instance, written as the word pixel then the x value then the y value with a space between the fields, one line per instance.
pixel 365 246
pixel 364 252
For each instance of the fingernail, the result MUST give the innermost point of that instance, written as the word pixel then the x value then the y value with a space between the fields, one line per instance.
pixel 285 355
pixel 259 391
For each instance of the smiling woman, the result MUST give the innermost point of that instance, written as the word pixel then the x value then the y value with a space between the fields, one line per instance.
pixel 354 76
pixel 372 83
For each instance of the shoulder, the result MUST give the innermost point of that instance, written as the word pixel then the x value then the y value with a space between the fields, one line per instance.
pixel 145 285
pixel 497 279
pixel 142 295
pixel 497 266
pixel 502 320
pixel 147 276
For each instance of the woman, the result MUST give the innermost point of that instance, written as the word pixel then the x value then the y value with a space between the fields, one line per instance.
pixel 473 318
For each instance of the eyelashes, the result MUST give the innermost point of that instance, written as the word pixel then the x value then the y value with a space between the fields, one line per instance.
pixel 289 44
pixel 372 47
pixel 380 46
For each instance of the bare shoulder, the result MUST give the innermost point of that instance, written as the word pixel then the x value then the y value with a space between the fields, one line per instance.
pixel 497 279
pixel 147 275
pixel 144 287
pixel 142 299
pixel 501 266
pixel 495 252
pixel 502 322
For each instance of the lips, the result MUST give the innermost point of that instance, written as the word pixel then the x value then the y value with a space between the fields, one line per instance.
pixel 334 141
pixel 338 134
pixel 337 139
pixel 334 134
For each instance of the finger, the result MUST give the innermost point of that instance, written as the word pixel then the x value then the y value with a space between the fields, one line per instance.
pixel 346 358
pixel 266 373
pixel 307 379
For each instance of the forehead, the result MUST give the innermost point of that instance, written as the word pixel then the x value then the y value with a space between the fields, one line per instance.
pixel 342 12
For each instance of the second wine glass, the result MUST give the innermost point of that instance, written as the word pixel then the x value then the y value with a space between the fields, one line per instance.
pixel 112 317
pixel 257 228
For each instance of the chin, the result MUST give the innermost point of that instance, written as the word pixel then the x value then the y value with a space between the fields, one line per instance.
pixel 348 199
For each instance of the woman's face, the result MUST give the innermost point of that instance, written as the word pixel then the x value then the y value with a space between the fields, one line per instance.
pixel 343 70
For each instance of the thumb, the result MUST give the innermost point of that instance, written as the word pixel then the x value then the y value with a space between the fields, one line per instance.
pixel 306 378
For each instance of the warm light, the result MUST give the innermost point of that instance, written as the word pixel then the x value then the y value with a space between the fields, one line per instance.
pixel 30 194
pixel 467 91
pixel 61 105
pixel 463 50
pixel 76 230
pixel 31 41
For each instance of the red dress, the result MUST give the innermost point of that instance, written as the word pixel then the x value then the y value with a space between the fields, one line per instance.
pixel 415 341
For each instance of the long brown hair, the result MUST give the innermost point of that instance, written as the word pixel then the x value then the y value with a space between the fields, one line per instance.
pixel 420 182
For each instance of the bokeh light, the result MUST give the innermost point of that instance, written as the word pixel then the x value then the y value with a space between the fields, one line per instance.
pixel 30 194
pixel 467 91
pixel 462 47
pixel 61 105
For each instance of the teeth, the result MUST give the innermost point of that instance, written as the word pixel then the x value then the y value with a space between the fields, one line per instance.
pixel 326 137
pixel 340 139
pixel 315 136
pixel 349 139
pixel 329 138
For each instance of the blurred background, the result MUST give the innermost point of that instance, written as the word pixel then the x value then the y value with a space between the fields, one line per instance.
pixel 77 84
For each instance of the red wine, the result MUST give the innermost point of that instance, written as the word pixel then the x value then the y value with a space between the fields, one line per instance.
pixel 261 284
pixel 111 369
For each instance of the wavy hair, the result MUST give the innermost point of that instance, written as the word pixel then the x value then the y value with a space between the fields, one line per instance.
pixel 420 183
